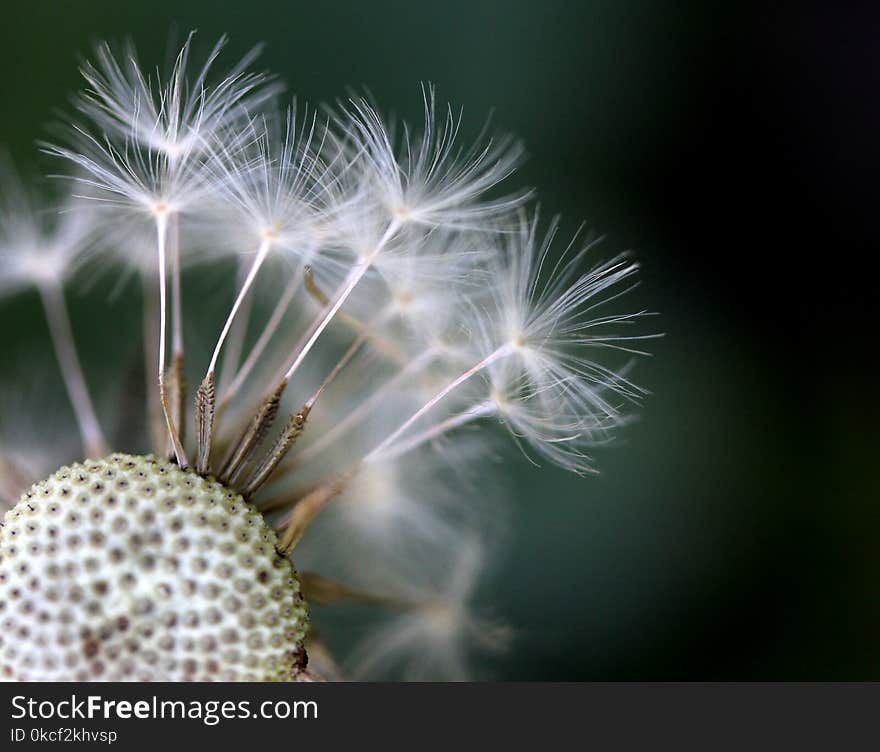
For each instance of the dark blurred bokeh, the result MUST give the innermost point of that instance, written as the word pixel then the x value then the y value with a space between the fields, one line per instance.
pixel 734 534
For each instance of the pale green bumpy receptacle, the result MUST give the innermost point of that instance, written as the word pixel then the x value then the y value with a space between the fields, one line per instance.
pixel 129 568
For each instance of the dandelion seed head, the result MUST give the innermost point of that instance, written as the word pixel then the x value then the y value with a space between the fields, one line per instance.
pixel 366 296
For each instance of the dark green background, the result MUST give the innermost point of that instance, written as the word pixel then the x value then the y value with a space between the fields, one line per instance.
pixel 734 534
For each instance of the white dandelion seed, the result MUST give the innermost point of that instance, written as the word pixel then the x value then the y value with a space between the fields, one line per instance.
pixel 430 179
pixel 399 508
pixel 540 336
pixel 38 248
pixel 436 630
pixel 175 116
pixel 148 159
pixel 38 245
pixel 439 185
pixel 147 186
pixel 276 195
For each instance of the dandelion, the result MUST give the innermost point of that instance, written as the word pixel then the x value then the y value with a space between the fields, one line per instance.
pixel 388 301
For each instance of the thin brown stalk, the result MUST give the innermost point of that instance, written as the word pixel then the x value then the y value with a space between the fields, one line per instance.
pixel 178 451
pixel 205 398
pixel 323 591
pixel 306 509
pixel 284 500
pixel 279 450
pixel 243 450
pixel 176 396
